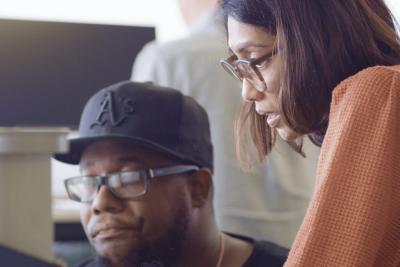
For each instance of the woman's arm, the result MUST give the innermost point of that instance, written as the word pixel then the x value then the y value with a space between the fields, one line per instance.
pixel 354 216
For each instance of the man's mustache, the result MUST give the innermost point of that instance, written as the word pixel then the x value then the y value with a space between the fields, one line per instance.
pixel 99 224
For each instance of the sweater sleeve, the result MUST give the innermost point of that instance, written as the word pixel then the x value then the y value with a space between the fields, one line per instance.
pixel 354 216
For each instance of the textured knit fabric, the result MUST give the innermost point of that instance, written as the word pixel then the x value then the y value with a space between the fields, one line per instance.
pixel 354 215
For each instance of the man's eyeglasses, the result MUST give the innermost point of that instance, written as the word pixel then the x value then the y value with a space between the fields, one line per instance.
pixel 247 69
pixel 126 185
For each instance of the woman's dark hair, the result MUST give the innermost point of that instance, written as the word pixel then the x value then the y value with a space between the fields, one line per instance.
pixel 321 43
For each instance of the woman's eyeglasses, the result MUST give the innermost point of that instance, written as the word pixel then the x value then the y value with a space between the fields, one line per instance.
pixel 247 69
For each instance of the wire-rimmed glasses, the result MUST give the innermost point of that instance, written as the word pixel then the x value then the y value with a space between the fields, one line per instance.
pixel 247 69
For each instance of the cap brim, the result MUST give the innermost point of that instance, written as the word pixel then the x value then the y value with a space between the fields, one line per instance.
pixel 78 145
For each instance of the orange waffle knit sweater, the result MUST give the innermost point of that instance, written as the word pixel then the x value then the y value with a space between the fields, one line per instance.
pixel 354 216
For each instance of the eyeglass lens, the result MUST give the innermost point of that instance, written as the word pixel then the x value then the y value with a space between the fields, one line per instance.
pixel 248 73
pixel 123 185
pixel 244 71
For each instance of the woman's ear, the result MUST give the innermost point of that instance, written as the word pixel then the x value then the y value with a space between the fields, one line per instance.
pixel 200 183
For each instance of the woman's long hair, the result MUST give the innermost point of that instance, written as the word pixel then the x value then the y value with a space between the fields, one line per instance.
pixel 321 43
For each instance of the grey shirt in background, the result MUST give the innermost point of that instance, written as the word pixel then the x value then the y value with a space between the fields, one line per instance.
pixel 269 202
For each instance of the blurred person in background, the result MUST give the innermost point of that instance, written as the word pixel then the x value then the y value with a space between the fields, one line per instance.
pixel 268 202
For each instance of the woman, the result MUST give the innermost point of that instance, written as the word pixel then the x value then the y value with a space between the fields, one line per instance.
pixel 329 70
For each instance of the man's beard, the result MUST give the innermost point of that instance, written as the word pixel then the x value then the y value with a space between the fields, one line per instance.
pixel 165 251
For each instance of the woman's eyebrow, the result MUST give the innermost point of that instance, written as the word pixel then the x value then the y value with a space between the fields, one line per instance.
pixel 243 47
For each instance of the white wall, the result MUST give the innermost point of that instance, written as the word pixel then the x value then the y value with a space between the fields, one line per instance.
pixel 163 14
pixel 395 6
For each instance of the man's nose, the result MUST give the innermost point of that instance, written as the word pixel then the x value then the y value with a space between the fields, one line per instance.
pixel 249 93
pixel 105 201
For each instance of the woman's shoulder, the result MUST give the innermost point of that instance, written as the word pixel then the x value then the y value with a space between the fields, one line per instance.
pixel 369 83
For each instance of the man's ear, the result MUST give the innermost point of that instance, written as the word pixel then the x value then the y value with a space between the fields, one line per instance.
pixel 200 183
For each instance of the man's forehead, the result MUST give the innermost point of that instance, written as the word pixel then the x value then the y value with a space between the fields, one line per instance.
pixel 120 152
pixel 87 162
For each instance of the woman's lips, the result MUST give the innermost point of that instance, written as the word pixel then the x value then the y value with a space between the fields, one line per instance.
pixel 273 120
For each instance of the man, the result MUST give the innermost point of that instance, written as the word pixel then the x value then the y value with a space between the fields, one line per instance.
pixel 270 201
pixel 146 188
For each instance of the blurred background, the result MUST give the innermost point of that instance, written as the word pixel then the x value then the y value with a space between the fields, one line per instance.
pixel 151 13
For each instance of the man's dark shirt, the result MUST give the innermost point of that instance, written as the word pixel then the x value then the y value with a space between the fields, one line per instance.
pixel 265 254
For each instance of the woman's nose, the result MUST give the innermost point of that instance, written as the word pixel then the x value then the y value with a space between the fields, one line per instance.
pixel 249 93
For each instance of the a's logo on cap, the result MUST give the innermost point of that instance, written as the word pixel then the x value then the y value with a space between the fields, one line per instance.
pixel 108 111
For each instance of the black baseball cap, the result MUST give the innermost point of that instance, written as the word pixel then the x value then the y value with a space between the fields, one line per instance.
pixel 157 118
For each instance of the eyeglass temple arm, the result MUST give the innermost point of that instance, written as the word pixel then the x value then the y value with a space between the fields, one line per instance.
pixel 172 170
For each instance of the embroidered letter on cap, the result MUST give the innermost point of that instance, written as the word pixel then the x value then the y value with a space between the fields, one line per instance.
pixel 108 111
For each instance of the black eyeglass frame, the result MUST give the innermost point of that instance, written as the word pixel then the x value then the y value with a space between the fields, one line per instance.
pixel 148 174
pixel 231 64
